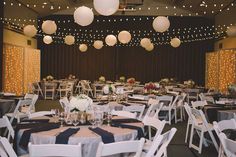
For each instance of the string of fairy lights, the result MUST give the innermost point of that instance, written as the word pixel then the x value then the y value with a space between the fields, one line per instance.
pixel 217 7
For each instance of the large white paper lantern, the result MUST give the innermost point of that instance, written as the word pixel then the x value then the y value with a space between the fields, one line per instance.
pixel 83 16
pixel 150 47
pixel 161 24
pixel 124 37
pixel 83 47
pixel 49 27
pixel 110 40
pixel 69 40
pixel 98 44
pixel 175 42
pixel 47 39
pixel 231 31
pixel 145 42
pixel 30 30
pixel 106 7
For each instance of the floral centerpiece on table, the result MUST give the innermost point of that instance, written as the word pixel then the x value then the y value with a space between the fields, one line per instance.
pixel 49 78
pixel 164 81
pixel 102 79
pixel 80 103
pixel 70 77
pixel 122 79
pixel 131 81
pixel 232 90
pixel 109 89
pixel 189 83
pixel 150 87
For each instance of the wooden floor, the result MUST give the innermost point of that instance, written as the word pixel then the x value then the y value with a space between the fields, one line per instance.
pixel 177 148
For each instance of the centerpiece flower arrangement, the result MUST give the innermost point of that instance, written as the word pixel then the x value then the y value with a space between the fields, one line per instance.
pixel 232 90
pixel 79 103
pixel 49 78
pixel 164 81
pixel 122 79
pixel 131 81
pixel 150 87
pixel 190 83
pixel 102 79
pixel 70 77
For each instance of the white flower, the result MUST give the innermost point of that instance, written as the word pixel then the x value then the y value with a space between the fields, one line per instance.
pixel 109 88
pixel 102 79
pixel 81 102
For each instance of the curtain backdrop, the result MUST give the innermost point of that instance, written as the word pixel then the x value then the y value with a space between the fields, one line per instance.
pixel 1 42
pixel 185 62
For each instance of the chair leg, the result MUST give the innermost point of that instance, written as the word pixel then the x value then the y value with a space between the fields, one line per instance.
pixel 191 137
pixel 201 142
pixel 186 136
pixel 213 140
pixel 175 115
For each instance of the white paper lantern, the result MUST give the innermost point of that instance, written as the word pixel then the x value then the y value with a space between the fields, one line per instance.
pixel 30 30
pixel 69 39
pixel 175 42
pixel 83 16
pixel 49 27
pixel 83 47
pixel 145 42
pixel 47 39
pixel 124 37
pixel 231 31
pixel 106 7
pixel 150 47
pixel 111 40
pixel 161 24
pixel 98 44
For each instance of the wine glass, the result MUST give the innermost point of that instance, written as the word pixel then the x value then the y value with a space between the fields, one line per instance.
pixel 75 119
pixel 55 114
pixel 91 119
pixel 61 118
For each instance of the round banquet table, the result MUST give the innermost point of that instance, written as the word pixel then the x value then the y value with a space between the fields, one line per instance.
pixel 88 139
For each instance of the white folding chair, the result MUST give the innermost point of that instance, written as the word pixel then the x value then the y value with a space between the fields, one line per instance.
pixel 86 88
pixel 190 120
pixel 229 146
pixel 40 114
pixel 6 149
pixel 221 126
pixel 152 122
pixel 124 114
pixel 36 88
pixel 154 108
pixel 121 147
pixel 65 104
pixel 197 104
pixel 160 144
pixel 34 98
pixel 49 90
pixel 59 150
pixel 179 106
pixel 192 94
pixel 17 112
pixel 201 125
pixel 139 109
pixel 203 97
pixel 5 123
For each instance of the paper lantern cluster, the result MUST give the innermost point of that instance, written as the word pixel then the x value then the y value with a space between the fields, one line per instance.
pixel 161 24
pixel 49 27
pixel 231 31
pixel 124 37
pixel 83 16
pixel 147 44
pixel 30 30
pixel 83 47
pixel 175 42
pixel 47 39
pixel 110 40
pixel 106 7
pixel 69 40
pixel 98 44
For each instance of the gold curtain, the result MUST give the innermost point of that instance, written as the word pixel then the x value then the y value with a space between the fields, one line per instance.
pixel 21 66
pixel 220 69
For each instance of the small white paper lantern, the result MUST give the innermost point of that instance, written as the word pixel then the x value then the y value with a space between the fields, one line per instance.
pixel 47 39
pixel 69 40
pixel 83 16
pixel 98 44
pixel 83 47
pixel 175 42
pixel 106 7
pixel 49 27
pixel 124 37
pixel 231 31
pixel 30 30
pixel 150 47
pixel 145 42
pixel 110 40
pixel 161 24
